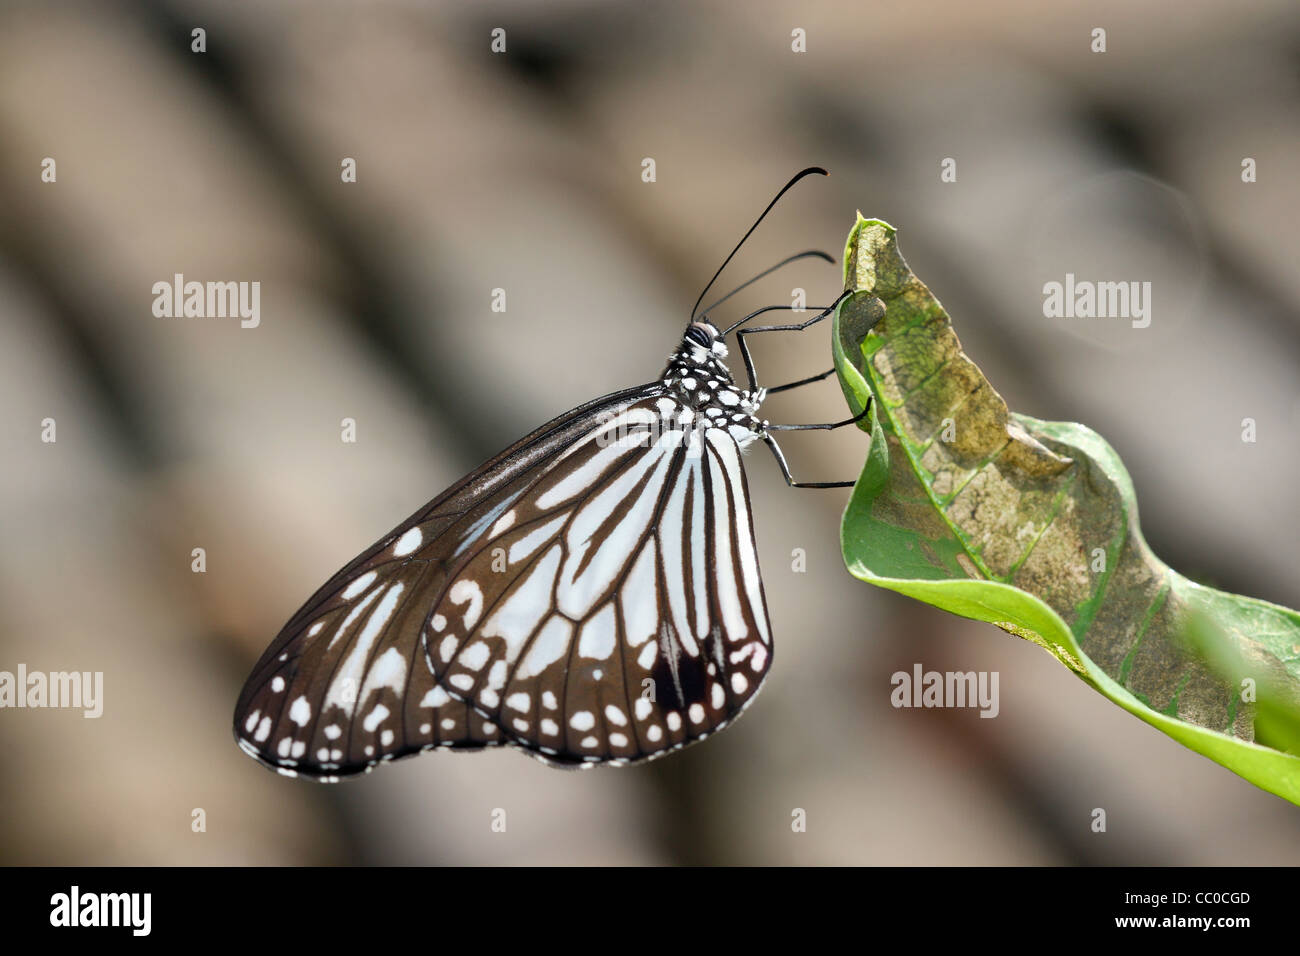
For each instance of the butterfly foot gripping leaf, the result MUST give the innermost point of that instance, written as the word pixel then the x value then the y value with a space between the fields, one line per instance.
pixel 1032 526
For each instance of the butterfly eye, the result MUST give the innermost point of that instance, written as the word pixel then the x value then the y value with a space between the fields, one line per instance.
pixel 700 334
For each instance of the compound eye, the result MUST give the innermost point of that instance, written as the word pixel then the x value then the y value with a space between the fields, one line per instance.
pixel 701 335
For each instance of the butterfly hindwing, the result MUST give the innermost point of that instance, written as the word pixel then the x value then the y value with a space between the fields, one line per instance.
pixel 615 640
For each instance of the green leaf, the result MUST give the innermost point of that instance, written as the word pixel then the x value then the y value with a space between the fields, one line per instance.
pixel 1033 526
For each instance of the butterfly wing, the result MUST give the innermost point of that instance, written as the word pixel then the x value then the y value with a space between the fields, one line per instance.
pixel 359 641
pixel 635 622
pixel 571 590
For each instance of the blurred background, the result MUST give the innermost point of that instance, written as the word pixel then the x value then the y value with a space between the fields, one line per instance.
pixel 523 171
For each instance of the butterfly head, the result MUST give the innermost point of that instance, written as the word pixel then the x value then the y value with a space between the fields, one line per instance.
pixel 702 353
pixel 702 343
pixel 700 379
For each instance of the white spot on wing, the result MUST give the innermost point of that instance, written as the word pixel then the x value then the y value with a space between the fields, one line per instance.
pixel 504 523
pixel 474 657
pixel 359 585
pixel 466 590
pixel 551 643
pixel 388 670
pixel 648 655
pixel 596 640
pixel 408 542
pixel 375 718
pixel 436 697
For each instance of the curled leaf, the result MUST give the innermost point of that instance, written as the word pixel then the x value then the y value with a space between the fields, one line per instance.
pixel 1033 526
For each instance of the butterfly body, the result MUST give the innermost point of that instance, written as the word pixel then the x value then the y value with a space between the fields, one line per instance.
pixel 591 596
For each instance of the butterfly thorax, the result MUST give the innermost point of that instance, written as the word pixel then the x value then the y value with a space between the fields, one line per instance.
pixel 699 379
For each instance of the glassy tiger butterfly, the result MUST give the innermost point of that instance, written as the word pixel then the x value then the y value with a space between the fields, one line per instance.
pixel 590 596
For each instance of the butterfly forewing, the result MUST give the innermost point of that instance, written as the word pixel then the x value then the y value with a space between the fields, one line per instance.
pixel 347 683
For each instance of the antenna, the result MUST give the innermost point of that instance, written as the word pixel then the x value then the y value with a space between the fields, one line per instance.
pixel 810 254
pixel 784 189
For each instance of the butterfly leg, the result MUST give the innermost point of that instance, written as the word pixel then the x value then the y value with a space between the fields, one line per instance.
pixel 780 456
pixel 803 381
pixel 792 327
pixel 825 425
pixel 785 469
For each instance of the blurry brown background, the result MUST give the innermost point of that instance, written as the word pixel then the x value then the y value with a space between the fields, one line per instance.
pixel 522 171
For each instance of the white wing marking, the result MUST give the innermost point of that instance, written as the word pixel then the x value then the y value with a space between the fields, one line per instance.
pixel 728 598
pixel 518 616
pixel 548 647
pixel 672 540
pixel 744 540
pixel 640 605
pixel 580 587
pixel 697 534
pixel 596 640
pixel 344 688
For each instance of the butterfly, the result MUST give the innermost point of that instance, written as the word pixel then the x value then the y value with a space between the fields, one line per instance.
pixel 590 596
